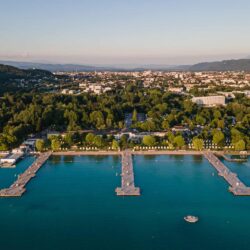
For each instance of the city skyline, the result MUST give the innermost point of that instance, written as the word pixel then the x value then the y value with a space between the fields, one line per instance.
pixel 118 32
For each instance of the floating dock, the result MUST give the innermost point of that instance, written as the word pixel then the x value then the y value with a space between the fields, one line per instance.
pixel 237 187
pixel 18 187
pixel 128 184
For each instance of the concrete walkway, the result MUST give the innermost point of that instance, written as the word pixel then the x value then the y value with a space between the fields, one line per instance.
pixel 128 185
pixel 18 187
pixel 237 187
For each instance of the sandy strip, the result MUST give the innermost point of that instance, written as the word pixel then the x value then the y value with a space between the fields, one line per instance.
pixel 149 152
pixel 96 153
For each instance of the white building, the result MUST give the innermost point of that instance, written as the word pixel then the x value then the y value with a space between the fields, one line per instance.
pixel 176 90
pixel 209 100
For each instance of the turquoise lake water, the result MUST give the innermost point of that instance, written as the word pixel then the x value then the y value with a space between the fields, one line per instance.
pixel 71 204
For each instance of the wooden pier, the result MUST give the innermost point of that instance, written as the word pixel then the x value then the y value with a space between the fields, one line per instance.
pixel 18 187
pixel 237 187
pixel 128 184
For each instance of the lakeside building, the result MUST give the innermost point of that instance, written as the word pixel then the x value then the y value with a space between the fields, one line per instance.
pixel 209 100
pixel 14 157
pixel 10 160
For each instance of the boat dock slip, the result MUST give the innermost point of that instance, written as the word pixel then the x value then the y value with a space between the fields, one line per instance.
pixel 237 187
pixel 128 184
pixel 18 187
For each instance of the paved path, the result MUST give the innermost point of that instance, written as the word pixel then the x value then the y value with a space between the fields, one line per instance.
pixel 18 187
pixel 237 187
pixel 128 185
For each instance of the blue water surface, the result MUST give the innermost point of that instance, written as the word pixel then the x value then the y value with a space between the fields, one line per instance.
pixel 71 204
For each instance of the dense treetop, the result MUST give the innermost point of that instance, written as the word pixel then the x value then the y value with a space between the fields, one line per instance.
pixel 22 114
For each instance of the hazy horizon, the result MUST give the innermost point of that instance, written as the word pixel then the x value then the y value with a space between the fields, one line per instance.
pixel 130 32
pixel 125 63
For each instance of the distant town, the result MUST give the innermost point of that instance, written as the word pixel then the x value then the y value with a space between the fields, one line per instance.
pixel 118 110
pixel 189 83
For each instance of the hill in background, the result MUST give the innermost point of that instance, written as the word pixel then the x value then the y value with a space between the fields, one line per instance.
pixel 228 65
pixel 60 67
pixel 9 72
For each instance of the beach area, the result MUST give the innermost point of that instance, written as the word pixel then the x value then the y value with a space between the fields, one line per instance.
pixel 146 152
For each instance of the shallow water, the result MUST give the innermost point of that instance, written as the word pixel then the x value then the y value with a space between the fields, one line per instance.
pixel 71 204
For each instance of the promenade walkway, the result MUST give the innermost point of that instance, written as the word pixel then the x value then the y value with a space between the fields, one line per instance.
pixel 18 187
pixel 128 184
pixel 237 187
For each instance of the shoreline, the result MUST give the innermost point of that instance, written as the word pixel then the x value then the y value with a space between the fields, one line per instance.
pixel 141 152
pixel 114 153
pixel 149 152
pixel 163 152
pixel 82 153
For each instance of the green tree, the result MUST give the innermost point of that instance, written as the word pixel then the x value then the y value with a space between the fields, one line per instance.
pixel 179 141
pixel 217 114
pixel 165 125
pixel 148 125
pixel 85 120
pixel 149 140
pixel 97 119
pixel 246 121
pixel 221 124
pixel 115 145
pixel 3 143
pixel 120 125
pixel 72 120
pixel 170 137
pixel 40 145
pixel 124 141
pixel 134 116
pixel 90 138
pixel 198 144
pixel 109 121
pixel 69 139
pixel 218 138
pixel 200 120
pixel 98 141
pixel 240 145
pixel 236 135
pixel 55 144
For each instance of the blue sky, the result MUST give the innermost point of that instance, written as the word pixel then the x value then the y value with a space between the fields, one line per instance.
pixel 124 32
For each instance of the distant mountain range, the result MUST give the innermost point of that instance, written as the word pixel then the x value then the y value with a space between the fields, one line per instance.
pixel 9 72
pixel 90 68
pixel 58 67
pixel 227 65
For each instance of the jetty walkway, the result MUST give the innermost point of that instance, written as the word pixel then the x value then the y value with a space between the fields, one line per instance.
pixel 18 187
pixel 237 187
pixel 128 184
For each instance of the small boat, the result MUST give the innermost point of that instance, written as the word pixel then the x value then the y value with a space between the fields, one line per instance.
pixel 191 219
